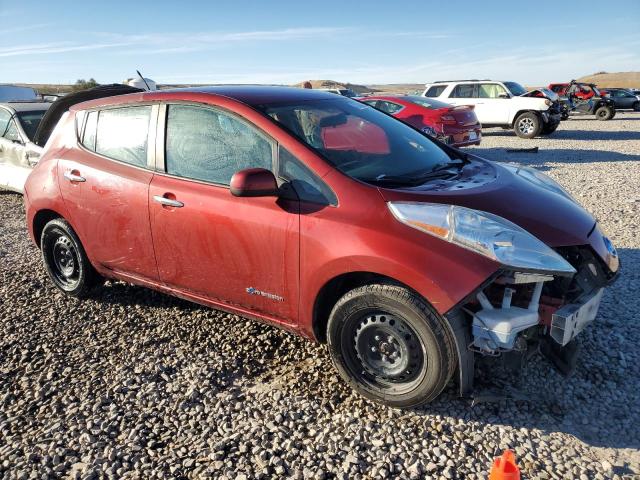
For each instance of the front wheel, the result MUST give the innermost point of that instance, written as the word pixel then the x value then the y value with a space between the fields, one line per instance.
pixel 636 107
pixel 604 113
pixel 65 259
pixel 390 346
pixel 527 125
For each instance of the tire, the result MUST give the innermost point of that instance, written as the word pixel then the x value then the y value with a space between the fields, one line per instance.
pixel 636 107
pixel 527 125
pixel 65 259
pixel 371 321
pixel 604 113
pixel 548 129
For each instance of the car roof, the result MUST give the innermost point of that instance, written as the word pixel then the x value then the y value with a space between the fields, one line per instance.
pixel 26 106
pixel 252 95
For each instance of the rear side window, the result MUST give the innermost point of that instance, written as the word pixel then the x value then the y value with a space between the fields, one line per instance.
pixel 89 136
pixel 210 145
pixel 464 90
pixel 435 91
pixel 389 107
pixel 122 134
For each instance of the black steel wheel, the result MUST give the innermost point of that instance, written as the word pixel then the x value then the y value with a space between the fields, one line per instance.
pixel 65 259
pixel 390 345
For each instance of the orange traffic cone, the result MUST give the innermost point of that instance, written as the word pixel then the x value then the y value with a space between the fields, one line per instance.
pixel 505 468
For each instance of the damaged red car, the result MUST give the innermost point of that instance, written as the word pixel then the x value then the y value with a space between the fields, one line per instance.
pixel 325 217
pixel 457 126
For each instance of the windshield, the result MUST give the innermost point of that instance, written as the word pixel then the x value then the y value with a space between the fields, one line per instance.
pixel 361 141
pixel 30 122
pixel 426 102
pixel 515 88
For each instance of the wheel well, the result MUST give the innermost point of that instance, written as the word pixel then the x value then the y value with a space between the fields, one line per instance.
pixel 520 112
pixel 334 289
pixel 40 220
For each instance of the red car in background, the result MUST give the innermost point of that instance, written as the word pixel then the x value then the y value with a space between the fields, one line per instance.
pixel 455 125
pixel 584 90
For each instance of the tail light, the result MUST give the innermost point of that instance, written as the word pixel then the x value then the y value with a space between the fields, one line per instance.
pixel 448 119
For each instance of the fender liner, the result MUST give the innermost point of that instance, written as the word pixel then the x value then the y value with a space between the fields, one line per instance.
pixel 466 363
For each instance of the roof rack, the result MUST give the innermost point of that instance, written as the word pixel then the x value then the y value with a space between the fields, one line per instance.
pixel 465 80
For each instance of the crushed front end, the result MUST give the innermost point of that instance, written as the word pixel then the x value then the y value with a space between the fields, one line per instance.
pixel 516 314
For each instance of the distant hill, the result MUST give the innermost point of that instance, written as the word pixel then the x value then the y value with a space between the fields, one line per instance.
pixel 334 84
pixel 618 79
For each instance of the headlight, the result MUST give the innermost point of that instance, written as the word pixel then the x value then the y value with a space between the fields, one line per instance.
pixel 482 233
pixel 540 179
pixel 548 102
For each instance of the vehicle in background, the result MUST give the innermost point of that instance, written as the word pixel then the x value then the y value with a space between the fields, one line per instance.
pixel 18 153
pixel 583 91
pixel 603 108
pixel 326 217
pixel 501 104
pixel 622 98
pixel 26 126
pixel 15 93
pixel 457 126
pixel 345 92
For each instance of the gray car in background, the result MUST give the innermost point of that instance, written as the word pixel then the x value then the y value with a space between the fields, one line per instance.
pixel 623 98
pixel 18 154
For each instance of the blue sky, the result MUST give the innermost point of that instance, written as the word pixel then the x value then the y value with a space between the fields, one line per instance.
pixel 289 41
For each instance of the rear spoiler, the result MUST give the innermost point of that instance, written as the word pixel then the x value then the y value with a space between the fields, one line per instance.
pixel 57 108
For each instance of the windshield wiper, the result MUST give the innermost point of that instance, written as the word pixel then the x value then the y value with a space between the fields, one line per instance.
pixel 405 180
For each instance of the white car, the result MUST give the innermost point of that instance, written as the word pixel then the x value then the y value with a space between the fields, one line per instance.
pixel 502 104
pixel 18 153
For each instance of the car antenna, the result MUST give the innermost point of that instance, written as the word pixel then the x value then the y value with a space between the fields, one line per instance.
pixel 145 82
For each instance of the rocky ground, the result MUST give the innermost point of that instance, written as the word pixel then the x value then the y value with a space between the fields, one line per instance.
pixel 135 384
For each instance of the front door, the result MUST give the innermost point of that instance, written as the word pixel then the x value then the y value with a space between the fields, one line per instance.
pixel 493 104
pixel 105 188
pixel 240 252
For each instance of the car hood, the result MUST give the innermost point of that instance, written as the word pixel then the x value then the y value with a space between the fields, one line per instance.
pixel 492 187
pixel 542 92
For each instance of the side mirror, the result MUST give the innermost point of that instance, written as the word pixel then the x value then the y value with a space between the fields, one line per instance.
pixel 254 182
pixel 503 95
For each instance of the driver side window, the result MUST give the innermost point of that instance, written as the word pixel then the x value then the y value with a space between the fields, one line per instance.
pixel 490 90
pixel 210 145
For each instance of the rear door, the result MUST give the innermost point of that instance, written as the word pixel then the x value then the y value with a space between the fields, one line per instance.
pixel 240 252
pixel 105 187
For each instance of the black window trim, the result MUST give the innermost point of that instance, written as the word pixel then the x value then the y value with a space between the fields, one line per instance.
pixel 151 134
pixel 160 164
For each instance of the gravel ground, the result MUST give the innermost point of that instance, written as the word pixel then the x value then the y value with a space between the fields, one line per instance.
pixel 135 384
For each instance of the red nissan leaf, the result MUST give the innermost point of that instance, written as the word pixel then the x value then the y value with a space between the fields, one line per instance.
pixel 325 217
pixel 455 125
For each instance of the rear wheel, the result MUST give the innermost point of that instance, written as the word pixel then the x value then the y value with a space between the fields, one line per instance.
pixel 527 125
pixel 390 346
pixel 65 259
pixel 604 113
pixel 636 107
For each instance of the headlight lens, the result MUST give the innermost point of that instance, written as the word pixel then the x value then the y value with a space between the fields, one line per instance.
pixel 548 102
pixel 483 233
pixel 540 179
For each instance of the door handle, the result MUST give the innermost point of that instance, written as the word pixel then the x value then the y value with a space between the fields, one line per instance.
pixel 169 202
pixel 72 177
